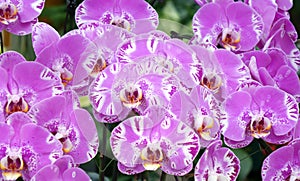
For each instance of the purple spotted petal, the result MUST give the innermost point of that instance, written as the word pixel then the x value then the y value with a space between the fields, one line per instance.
pixel 43 143
pixel 267 10
pixel 177 142
pixel 62 169
pixel 39 82
pixel 36 145
pixel 43 35
pixel 9 59
pixel 217 163
pixel 282 36
pixel 86 144
pixel 130 170
pixel 137 16
pixel 239 144
pixel 101 96
pixel 283 163
pixel 195 108
pixel 19 28
pixel 31 9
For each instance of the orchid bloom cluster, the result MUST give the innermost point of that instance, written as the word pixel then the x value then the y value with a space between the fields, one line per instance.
pixel 233 82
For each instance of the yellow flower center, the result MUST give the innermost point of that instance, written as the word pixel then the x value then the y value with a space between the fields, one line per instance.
pixel 8 13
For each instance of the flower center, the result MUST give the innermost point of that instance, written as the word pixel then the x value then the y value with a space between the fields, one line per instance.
pixel 11 166
pixel 152 157
pixel 260 126
pixel 16 103
pixel 230 39
pixel 62 135
pixel 203 124
pixel 120 22
pixel 99 66
pixel 65 75
pixel 131 96
pixel 211 81
pixel 8 13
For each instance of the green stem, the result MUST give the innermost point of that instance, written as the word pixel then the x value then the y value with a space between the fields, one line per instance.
pixel 1 40
pixel 102 153
pixel 163 176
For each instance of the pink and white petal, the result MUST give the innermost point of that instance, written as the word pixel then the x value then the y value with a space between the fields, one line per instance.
pixel 42 113
pixel 138 168
pixel 279 139
pixel 75 174
pixel 185 143
pixel 285 4
pixel 237 106
pixel 102 97
pixel 19 28
pixel 276 162
pixel 47 173
pixel 9 59
pixel 177 172
pixel 206 25
pixel 43 35
pixel 30 10
pixel 38 78
pixel 88 12
pixel 250 24
pixel 127 140
pixel 287 80
pixel 41 142
pixel 265 77
pixel 231 64
pixel 87 145
pixel 282 106
pixel 239 144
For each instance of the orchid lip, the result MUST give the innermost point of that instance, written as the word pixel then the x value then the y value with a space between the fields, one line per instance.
pixel 99 66
pixel 260 126
pixel 16 103
pixel 230 39
pixel 11 166
pixel 152 157
pixel 131 96
pixel 202 125
pixel 62 136
pixel 8 13
pixel 212 81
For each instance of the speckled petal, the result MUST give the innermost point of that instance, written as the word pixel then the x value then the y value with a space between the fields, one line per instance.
pixel 217 162
pixel 139 14
pixel 39 79
pixel 43 35
pixel 86 144
pixel 9 59
pixel 21 29
pixel 276 165
pixel 30 10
